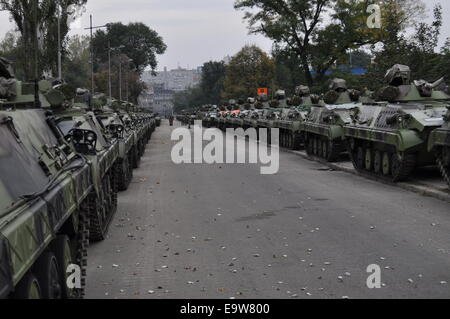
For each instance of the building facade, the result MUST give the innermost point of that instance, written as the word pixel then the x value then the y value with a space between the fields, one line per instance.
pixel 162 87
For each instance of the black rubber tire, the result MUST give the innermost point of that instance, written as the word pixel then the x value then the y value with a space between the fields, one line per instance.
pixel 61 247
pixel 386 164
pixel 309 146
pixel 325 149
pixel 24 290
pixel 378 162
pixel 369 160
pixel 402 167
pixel 47 272
pixel 124 178
pixel 360 156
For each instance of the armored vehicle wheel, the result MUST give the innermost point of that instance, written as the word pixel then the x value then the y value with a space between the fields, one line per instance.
pixel 297 142
pixel 136 158
pixel 47 272
pixel 291 141
pixel 97 227
pixel 377 162
pixel 309 146
pixel 402 166
pixel 386 164
pixel 28 288
pixel 316 146
pixel 360 158
pixel 443 161
pixel 124 176
pixel 325 150
pixel 369 160
pixel 319 147
pixel 61 247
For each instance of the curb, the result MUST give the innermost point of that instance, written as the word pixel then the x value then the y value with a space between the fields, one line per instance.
pixel 422 190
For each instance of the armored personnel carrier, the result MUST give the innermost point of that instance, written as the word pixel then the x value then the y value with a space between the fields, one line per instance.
pixel 292 117
pixel 116 129
pixel 391 139
pixel 45 192
pixel 324 125
pixel 80 127
pixel 271 113
pixel 439 143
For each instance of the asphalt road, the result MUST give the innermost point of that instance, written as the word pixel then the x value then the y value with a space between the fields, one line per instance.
pixel 226 231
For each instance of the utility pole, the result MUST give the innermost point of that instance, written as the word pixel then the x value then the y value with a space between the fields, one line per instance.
pixel 120 80
pixel 126 84
pixel 59 43
pixel 109 70
pixel 37 101
pixel 91 28
pixel 92 62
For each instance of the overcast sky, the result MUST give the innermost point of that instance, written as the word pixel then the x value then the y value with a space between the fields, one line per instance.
pixel 195 31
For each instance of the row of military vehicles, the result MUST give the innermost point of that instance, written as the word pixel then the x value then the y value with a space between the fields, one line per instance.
pixel 64 156
pixel 388 134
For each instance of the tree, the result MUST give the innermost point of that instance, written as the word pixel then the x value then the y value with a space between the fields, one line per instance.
pixel 212 81
pixel 417 51
pixel 320 32
pixel 250 69
pixel 135 40
pixel 45 19
pixel 76 68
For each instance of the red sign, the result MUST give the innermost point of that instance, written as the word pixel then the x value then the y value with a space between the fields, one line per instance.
pixel 263 91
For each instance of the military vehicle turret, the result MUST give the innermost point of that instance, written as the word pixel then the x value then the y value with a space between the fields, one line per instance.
pixel 324 125
pixel 292 117
pixel 271 113
pixel 45 191
pixel 391 139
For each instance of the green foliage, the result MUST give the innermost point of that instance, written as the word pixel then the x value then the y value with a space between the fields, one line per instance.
pixel 212 83
pixel 209 90
pixel 76 69
pixel 135 40
pixel 249 69
pixel 418 52
pixel 23 14
pixel 317 40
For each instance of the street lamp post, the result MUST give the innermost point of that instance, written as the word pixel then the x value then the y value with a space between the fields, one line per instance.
pixel 120 78
pixel 91 28
pixel 59 44
pixel 109 70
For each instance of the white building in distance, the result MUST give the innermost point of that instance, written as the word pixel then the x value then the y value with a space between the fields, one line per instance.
pixel 163 86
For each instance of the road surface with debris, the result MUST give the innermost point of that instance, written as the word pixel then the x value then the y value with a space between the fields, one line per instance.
pixel 226 231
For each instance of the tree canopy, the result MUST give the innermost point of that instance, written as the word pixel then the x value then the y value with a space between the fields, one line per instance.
pixel 320 32
pixel 135 40
pixel 23 14
pixel 250 69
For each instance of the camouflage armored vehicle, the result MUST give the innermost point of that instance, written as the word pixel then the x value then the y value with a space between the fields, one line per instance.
pixel 81 128
pixel 324 125
pixel 271 113
pixel 439 143
pixel 116 129
pixel 292 117
pixel 45 191
pixel 391 139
